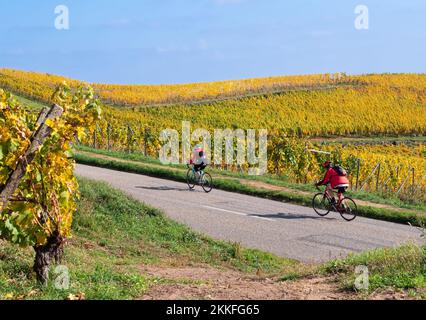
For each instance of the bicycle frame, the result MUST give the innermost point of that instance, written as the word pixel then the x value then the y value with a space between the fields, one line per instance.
pixel 193 170
pixel 339 206
pixel 200 177
pixel 330 195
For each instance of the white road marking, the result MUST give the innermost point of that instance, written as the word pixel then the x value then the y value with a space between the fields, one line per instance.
pixel 261 218
pixel 237 213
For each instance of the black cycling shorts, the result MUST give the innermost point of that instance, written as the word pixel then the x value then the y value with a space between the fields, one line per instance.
pixel 341 189
pixel 199 167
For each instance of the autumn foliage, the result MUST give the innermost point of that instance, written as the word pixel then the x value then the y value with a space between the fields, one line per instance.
pixel 332 105
pixel 44 202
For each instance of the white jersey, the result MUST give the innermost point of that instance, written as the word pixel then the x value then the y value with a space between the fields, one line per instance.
pixel 196 159
pixel 199 160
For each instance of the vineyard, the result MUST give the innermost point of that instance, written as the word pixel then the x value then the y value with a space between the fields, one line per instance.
pixel 382 105
pixel 41 86
pixel 384 168
pixel 339 112
pixel 368 106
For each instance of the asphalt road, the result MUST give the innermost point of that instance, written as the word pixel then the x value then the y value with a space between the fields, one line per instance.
pixel 284 229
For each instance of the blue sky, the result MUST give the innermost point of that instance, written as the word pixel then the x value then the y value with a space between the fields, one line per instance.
pixel 178 41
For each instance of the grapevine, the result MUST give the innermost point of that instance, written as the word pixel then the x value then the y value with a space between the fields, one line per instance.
pixel 40 212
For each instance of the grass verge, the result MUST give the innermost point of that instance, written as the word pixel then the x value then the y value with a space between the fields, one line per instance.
pixel 401 268
pixel 114 236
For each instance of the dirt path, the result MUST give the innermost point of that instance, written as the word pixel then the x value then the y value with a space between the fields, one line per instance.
pixel 204 282
pixel 208 283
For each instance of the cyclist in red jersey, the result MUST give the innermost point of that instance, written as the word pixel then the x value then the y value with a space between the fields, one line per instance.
pixel 333 180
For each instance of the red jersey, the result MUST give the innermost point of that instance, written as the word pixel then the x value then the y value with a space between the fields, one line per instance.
pixel 333 178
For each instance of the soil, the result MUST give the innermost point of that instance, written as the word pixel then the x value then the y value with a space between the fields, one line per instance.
pixel 208 283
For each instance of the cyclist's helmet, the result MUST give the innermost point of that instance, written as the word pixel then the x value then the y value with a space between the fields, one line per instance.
pixel 327 164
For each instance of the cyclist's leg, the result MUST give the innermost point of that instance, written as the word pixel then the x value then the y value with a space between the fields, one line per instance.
pixel 330 192
pixel 340 197
pixel 202 167
pixel 197 171
pixel 341 193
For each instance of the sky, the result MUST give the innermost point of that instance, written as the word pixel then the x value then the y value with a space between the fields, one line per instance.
pixel 181 41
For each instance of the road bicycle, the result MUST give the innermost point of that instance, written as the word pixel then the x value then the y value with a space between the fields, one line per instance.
pixel 200 178
pixel 325 202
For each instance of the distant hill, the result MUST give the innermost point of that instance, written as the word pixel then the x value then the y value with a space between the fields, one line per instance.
pixel 365 105
pixel 41 85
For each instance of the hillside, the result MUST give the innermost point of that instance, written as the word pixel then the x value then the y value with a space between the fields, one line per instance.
pixel 366 105
pixel 41 86
pixel 353 107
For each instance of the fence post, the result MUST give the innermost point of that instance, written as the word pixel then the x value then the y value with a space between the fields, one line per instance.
pixel 357 174
pixel 94 139
pixel 378 177
pixel 145 141
pixel 109 137
pixel 129 137
pixel 419 185
pixel 413 182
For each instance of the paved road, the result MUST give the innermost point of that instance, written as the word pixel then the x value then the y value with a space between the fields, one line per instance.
pixel 284 229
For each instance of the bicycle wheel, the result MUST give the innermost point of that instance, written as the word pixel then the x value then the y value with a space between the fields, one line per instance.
pixel 191 179
pixel 321 205
pixel 348 209
pixel 207 182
